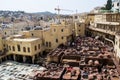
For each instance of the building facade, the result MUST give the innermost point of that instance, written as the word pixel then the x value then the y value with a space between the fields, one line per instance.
pixel 25 47
pixel 116 5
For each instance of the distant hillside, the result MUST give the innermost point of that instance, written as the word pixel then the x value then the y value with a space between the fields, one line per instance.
pixel 46 13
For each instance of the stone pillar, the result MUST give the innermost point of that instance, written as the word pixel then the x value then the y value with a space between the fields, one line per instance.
pixel 24 59
pixel 33 59
pixel 14 57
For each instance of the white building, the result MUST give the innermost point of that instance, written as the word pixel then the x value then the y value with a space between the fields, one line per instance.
pixel 116 5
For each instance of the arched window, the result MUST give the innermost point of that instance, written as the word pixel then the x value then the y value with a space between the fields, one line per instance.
pixel 38 46
pixel 24 49
pixel 35 48
pixel 117 4
pixel 9 47
pixel 13 48
pixel 46 44
pixel 18 46
pixel 28 49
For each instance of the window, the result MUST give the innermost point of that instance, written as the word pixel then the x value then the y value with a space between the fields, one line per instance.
pixel 49 44
pixel 13 48
pixel 56 40
pixel 4 45
pixel 117 4
pixel 28 49
pixel 9 48
pixel 18 46
pixel 46 44
pixel 54 30
pixel 62 30
pixel 32 34
pixel 62 37
pixel 38 46
pixel 24 49
pixel 5 33
pixel 35 48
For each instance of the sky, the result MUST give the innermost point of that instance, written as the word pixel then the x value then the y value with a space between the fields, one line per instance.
pixel 49 5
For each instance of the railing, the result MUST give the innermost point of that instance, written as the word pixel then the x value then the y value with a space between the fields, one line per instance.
pixel 102 30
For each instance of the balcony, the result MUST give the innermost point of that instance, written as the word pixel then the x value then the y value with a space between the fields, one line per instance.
pixel 102 30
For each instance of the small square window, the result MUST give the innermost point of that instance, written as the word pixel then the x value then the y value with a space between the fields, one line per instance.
pixel 56 40
pixel 54 30
pixel 62 30
pixel 32 34
pixel 62 37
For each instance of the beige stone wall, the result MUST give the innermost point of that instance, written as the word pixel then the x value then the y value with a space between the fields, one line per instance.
pixel 32 33
pixel 90 18
pixel 53 37
pixel 1 44
pixel 58 34
pixel 30 44
pixel 80 29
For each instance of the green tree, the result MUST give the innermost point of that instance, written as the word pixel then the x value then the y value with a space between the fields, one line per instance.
pixel 109 5
pixel 103 8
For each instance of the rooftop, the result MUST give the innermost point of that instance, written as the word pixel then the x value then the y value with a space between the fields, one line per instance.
pixel 26 39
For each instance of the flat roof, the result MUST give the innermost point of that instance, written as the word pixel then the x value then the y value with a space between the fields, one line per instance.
pixel 17 35
pixel 25 31
pixel 26 39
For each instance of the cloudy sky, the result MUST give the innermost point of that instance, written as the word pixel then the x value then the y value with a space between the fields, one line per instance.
pixel 49 5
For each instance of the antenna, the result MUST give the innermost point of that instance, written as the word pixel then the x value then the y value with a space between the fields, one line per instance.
pixel 76 11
